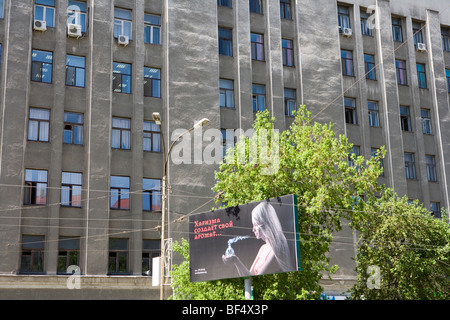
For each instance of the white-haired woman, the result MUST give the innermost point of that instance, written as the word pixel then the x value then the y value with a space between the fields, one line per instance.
pixel 273 256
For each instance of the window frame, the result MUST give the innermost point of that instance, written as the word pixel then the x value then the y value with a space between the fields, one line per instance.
pixel 74 125
pixel 370 66
pixel 226 94
pixel 347 63
pixel 422 75
pixel 410 166
pixel 71 186
pixel 121 22
pixel 351 115
pixel 344 20
pixel 427 127
pixel 256 6
pixel 75 74
pixel 430 162
pixel 152 84
pixel 78 13
pixel 151 26
pixel 45 7
pixel 258 98
pixel 397 29
pixel 35 77
pixel 68 253
pixel 287 46
pixel 374 114
pixel 34 186
pixel 290 102
pixel 39 130
pixel 257 46
pixel 286 9
pixel 401 70
pixel 124 140
pixel 225 41
pixel 118 191
pixel 151 194
pixel 116 254
pixel 150 135
pixel 405 119
pixel 445 34
pixel 36 250
pixel 364 19
pixel 118 85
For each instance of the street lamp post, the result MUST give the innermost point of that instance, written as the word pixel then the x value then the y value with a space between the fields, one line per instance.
pixel 157 118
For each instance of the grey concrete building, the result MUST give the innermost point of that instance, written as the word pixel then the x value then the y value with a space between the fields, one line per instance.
pixel 81 159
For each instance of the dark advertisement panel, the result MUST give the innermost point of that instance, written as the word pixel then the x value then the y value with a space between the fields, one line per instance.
pixel 248 240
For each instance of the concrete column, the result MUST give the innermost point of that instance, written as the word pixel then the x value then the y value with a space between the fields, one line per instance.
pixel 98 138
pixel 441 108
pixel 16 54
pixel 389 103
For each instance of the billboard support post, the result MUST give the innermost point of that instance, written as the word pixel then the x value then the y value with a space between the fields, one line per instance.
pixel 248 284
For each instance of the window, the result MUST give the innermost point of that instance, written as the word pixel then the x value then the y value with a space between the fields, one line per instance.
pixel 405 118
pixel 350 111
pixel 347 63
pixel 35 187
pixel 445 32
pixel 225 42
pixel 42 66
pixel 120 193
pixel 374 153
pixel 288 52
pixel 76 14
pixel 401 72
pixel 417 32
pixel 71 184
pixel 435 208
pixel 224 3
pixel 33 248
pixel 75 71
pixel 39 125
pixel 256 6
pixel 44 10
pixel 397 29
pixel 122 23
pixel 366 29
pixel 151 195
pixel 121 133
pixel 374 117
pixel 354 153
pixel 422 75
pixel 150 249
pixel 152 28
pixel 447 75
pixel 118 256
pixel 257 42
pixel 259 97
pixel 152 137
pixel 73 128
pixel 286 9
pixel 369 62
pixel 343 18
pixel 426 121
pixel 2 9
pixel 228 140
pixel 122 77
pixel 290 101
pixel 410 166
pixel 431 168
pixel 68 253
pixel 226 93
pixel 152 82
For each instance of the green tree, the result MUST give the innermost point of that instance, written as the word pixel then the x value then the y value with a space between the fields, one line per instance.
pixel 408 249
pixel 308 160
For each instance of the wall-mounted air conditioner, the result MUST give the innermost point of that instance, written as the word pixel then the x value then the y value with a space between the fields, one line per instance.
pixel 74 30
pixel 123 40
pixel 39 25
pixel 347 32
pixel 422 47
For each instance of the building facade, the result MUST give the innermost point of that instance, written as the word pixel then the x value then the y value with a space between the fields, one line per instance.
pixel 81 159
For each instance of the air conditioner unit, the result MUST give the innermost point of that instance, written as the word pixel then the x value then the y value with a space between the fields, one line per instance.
pixel 421 47
pixel 40 25
pixel 74 30
pixel 123 40
pixel 347 32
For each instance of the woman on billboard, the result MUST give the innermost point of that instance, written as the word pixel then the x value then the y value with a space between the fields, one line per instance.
pixel 273 256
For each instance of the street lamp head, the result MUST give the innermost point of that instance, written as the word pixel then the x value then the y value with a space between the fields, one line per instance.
pixel 201 123
pixel 156 117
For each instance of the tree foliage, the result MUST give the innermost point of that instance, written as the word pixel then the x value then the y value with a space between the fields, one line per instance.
pixel 332 185
pixel 410 248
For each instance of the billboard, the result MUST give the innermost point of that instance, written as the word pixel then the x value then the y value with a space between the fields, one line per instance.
pixel 252 239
